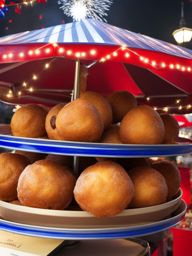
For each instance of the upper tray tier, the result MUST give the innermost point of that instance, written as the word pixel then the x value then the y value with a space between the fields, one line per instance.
pixel 93 149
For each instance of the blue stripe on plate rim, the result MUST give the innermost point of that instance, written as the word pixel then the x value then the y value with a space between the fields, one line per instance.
pixel 131 231
pixel 92 149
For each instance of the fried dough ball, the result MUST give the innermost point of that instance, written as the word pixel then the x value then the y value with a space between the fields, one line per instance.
pixel 121 103
pixel 171 129
pixel 50 122
pixel 111 135
pixel 29 121
pixel 79 121
pixel 32 156
pixel 150 187
pixel 11 166
pixel 171 174
pixel 104 189
pixel 142 125
pixel 46 184
pixel 101 104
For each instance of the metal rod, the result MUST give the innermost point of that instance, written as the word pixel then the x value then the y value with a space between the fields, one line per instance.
pixel 76 93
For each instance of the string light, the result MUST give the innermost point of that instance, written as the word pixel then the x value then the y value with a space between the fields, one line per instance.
pixel 24 84
pixel 148 98
pixel 31 89
pixel 93 52
pixel 47 65
pixel 165 109
pixel 178 101
pixel 180 107
pixel 34 77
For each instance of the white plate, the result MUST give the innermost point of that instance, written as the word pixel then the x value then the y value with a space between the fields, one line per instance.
pixel 96 233
pixel 72 148
pixel 82 219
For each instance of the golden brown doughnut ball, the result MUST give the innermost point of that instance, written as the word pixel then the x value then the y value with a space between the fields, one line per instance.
pixel 29 121
pixel 150 187
pixel 61 159
pixel 11 166
pixel 171 129
pixel 142 125
pixel 79 121
pixel 111 135
pixel 171 174
pixel 46 184
pixel 50 122
pixel 101 104
pixel 32 156
pixel 104 189
pixel 121 103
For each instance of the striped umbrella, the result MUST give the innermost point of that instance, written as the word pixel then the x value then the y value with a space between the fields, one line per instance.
pixel 116 59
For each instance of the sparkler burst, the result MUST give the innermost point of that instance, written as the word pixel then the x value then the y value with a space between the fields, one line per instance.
pixel 80 9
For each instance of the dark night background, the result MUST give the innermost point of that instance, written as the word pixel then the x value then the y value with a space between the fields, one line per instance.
pixel 156 18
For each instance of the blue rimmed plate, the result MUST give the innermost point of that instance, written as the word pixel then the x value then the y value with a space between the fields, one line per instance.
pixel 92 149
pixel 96 233
pixel 75 219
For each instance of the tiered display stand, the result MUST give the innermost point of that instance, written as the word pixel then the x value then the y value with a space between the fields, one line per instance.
pixel 80 225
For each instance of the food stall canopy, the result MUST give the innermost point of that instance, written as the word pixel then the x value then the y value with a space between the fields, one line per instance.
pixel 116 59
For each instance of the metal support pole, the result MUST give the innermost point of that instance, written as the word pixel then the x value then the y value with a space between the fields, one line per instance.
pixel 76 93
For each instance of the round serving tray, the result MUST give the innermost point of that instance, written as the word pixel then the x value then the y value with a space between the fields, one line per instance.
pixel 96 233
pixel 80 219
pixel 92 149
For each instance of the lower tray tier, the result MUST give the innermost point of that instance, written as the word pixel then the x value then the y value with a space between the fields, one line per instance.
pixel 96 233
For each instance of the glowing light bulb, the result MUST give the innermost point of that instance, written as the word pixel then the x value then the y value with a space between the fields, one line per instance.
pixel 165 109
pixel 31 89
pixel 24 84
pixel 108 57
pixel 163 65
pixel 178 66
pixel 148 98
pixel 178 101
pixel 61 50
pixel 171 66
pixel 19 93
pixel 180 107
pixel 189 69
pixel 47 50
pixel 141 58
pixel 102 60
pixel 69 52
pixel 189 106
pixel 83 54
pixel 93 52
pixel 10 55
pixel 146 60
pixel 37 51
pixel 127 55
pixel 30 52
pixel 34 77
pixel 123 47
pixel 183 69
pixel 5 56
pixel 153 63
pixel 21 54
pixel 115 54
pixel 47 65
